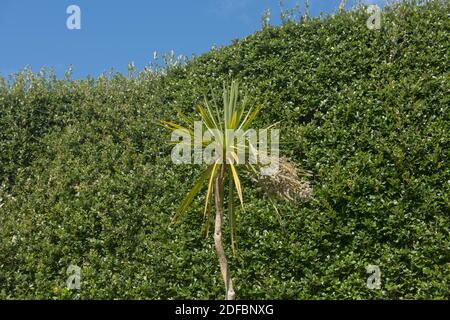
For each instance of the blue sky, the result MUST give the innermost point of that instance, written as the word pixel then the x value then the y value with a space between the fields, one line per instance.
pixel 115 33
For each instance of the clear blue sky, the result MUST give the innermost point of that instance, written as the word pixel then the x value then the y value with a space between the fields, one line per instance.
pixel 115 33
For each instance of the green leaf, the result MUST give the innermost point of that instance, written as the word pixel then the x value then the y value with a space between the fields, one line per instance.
pixel 190 196
pixel 231 215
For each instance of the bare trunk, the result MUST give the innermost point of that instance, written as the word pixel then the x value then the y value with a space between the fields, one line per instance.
pixel 342 5
pixel 218 194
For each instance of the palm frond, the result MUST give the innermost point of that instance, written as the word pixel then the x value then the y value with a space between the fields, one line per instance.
pixel 216 166
pixel 232 215
pixel 237 184
pixel 190 196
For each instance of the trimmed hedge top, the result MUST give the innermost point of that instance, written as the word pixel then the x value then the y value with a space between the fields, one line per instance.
pixel 86 177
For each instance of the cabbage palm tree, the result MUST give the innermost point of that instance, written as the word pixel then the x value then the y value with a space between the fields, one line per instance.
pixel 234 115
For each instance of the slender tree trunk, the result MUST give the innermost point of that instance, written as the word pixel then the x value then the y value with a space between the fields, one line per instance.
pixel 218 195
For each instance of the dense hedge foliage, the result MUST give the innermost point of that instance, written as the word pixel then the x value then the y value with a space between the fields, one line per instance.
pixel 86 176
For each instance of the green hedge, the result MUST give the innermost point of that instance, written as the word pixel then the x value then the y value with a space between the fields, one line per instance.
pixel 86 176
